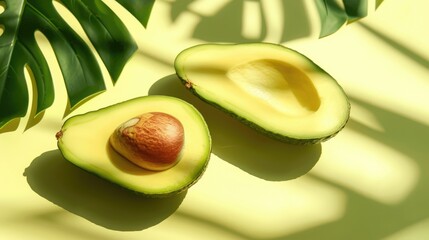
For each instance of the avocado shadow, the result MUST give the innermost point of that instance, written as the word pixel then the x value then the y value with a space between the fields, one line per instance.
pixel 242 146
pixel 95 199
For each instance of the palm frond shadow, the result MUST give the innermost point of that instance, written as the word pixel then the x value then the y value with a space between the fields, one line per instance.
pixel 400 132
pixel 380 220
pixel 93 198
pixel 226 25
pixel 241 146
pixel 415 56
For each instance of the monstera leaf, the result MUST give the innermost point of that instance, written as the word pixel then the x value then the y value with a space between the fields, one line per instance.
pixel 80 69
pixel 333 15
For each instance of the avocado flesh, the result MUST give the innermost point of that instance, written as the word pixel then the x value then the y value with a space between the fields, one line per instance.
pixel 274 89
pixel 84 141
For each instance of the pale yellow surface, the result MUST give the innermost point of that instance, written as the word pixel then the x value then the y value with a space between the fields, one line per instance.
pixel 369 182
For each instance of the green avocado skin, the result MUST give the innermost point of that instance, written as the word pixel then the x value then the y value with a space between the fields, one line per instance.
pixel 283 138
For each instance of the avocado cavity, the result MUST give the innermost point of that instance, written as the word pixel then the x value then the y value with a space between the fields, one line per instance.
pixel 279 84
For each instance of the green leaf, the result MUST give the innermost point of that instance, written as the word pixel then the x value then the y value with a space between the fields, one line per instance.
pixel 13 91
pixel 356 9
pixel 332 16
pixel 378 3
pixel 80 69
pixel 107 33
pixel 140 9
pixel 81 72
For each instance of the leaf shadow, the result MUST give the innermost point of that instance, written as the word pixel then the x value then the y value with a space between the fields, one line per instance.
pixel 240 145
pixel 381 220
pixel 226 25
pixel 415 56
pixel 95 199
pixel 400 132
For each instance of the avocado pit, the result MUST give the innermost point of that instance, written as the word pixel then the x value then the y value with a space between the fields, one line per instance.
pixel 153 140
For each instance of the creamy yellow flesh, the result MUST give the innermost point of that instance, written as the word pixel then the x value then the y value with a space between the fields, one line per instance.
pixel 85 142
pixel 275 88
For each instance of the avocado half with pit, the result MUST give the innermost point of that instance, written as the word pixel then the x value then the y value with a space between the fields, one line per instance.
pixel 154 145
pixel 272 88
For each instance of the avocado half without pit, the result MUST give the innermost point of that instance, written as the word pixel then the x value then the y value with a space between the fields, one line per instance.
pixel 154 145
pixel 269 87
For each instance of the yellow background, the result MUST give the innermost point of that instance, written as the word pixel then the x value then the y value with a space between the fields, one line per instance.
pixel 369 182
